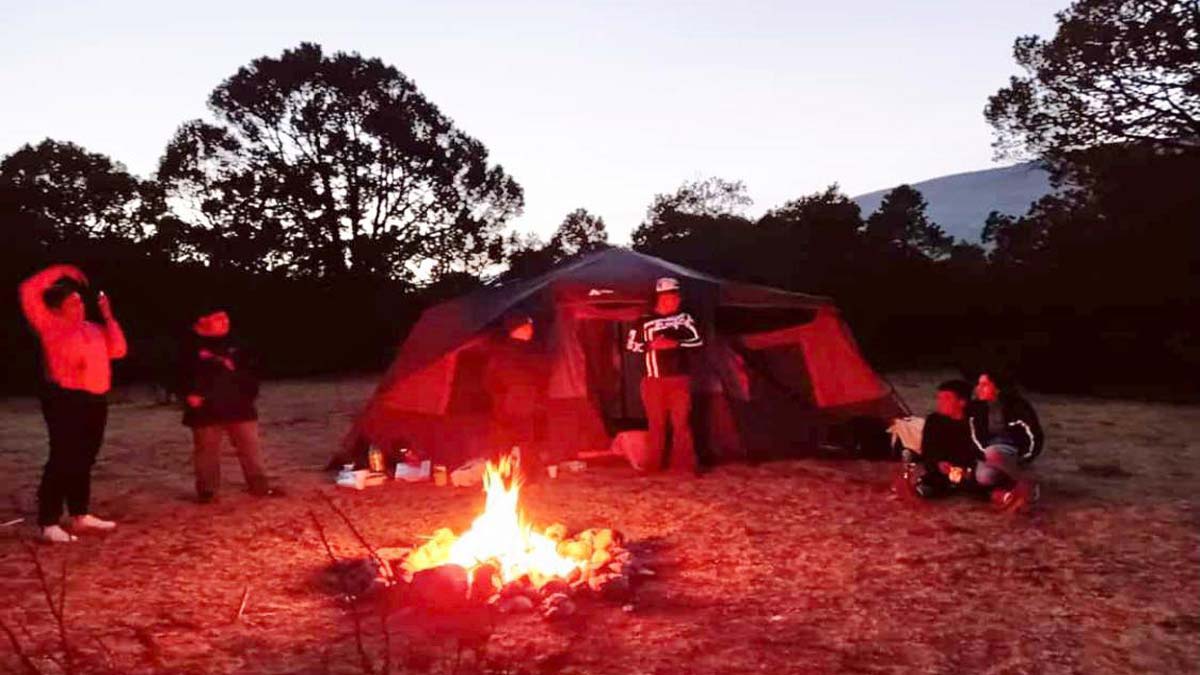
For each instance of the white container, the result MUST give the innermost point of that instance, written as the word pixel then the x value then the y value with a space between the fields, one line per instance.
pixel 552 471
pixel 414 473
pixel 355 480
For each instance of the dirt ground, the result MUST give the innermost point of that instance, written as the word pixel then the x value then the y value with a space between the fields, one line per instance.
pixel 801 566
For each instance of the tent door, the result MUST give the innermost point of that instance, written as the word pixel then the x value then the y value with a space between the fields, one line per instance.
pixel 614 375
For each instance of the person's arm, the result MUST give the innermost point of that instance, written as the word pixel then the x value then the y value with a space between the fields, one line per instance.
pixel 189 379
pixel 33 305
pixel 634 343
pixel 1026 422
pixel 690 337
pixel 114 337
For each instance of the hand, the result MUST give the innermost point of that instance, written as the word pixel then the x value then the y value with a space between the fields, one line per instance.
pixel 105 306
pixel 195 400
pixel 663 343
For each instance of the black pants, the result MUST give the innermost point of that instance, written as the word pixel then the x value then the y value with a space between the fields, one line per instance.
pixel 75 420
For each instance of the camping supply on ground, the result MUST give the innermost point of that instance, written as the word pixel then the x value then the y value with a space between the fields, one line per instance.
pixel 468 474
pixel 574 466
pixel 440 475
pixel 552 471
pixel 634 446
pixel 375 459
pixel 355 480
pixel 374 479
pixel 413 473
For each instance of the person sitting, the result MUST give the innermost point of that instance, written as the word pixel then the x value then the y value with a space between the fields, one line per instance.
pixel 948 457
pixel 1005 430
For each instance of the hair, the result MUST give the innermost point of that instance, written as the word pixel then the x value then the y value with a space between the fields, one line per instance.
pixel 59 291
pixel 960 388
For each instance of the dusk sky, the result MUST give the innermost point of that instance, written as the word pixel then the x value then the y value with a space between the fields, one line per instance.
pixel 599 105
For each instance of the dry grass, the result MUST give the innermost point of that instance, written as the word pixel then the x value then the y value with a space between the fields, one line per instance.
pixel 802 566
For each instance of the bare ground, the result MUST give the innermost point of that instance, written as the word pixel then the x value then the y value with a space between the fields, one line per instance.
pixel 800 566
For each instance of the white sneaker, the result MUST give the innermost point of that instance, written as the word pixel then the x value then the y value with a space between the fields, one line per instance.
pixel 56 535
pixel 90 522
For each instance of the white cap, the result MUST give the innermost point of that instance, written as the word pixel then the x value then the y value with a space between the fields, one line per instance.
pixel 666 285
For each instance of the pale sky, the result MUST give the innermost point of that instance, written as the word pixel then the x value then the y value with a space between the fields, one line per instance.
pixel 593 104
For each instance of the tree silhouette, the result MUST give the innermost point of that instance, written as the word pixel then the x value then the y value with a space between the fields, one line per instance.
pixel 1116 71
pixel 674 217
pixel 811 241
pixel 57 194
pixel 901 227
pixel 326 164
pixel 580 232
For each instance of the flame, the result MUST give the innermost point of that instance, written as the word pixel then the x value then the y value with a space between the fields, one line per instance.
pixel 499 536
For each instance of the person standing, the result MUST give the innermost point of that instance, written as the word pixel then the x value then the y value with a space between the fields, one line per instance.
pixel 77 355
pixel 516 378
pixel 218 386
pixel 664 338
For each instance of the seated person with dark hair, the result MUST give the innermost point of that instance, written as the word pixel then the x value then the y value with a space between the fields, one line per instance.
pixel 947 454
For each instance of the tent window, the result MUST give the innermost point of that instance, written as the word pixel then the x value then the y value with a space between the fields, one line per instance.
pixel 739 320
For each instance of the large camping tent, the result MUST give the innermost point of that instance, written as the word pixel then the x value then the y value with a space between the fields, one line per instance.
pixel 777 371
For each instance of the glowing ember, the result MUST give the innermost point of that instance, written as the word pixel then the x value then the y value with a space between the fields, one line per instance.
pixel 499 536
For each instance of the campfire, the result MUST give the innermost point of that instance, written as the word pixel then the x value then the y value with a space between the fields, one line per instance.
pixel 502 561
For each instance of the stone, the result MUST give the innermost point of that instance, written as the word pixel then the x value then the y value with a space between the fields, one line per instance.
pixel 516 605
pixel 439 587
pixel 558 606
pixel 555 586
pixel 485 582
pixel 556 532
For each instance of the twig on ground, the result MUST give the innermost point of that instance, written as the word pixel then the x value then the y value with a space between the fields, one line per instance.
pixel 14 521
pixel 384 568
pixel 56 610
pixel 26 661
pixel 242 604
pixel 367 665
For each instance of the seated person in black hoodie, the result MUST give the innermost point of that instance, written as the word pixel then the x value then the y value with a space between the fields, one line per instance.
pixel 947 454
pixel 1006 431
pixel 218 387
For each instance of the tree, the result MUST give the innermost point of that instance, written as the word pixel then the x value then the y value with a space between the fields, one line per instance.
pixel 900 226
pixel 580 232
pixel 1116 71
pixel 811 241
pixel 672 217
pixel 58 194
pixel 326 164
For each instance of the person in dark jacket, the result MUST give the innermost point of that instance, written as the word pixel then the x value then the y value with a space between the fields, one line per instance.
pixel 1006 431
pixel 665 338
pixel 948 455
pixel 516 378
pixel 218 386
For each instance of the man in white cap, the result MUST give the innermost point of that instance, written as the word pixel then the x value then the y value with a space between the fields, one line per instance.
pixel 665 338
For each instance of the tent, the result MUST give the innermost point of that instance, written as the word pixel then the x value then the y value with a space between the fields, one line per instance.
pixel 778 371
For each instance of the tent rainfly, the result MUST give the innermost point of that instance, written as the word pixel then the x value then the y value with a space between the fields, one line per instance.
pixel 779 369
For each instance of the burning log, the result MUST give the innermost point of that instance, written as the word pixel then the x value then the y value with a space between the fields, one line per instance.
pixel 502 562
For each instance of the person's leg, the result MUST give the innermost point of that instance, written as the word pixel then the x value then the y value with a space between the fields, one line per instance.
pixel 656 421
pixel 64 444
pixel 92 419
pixel 999 468
pixel 206 458
pixel 245 439
pixel 683 447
